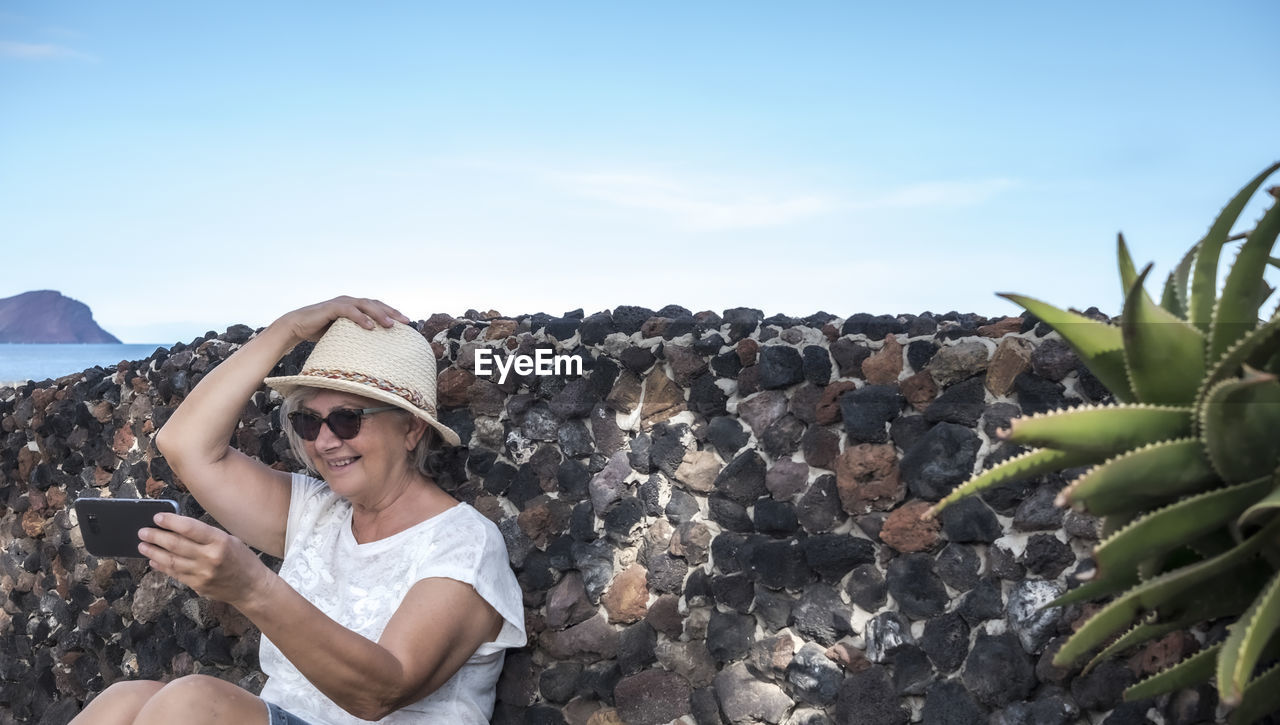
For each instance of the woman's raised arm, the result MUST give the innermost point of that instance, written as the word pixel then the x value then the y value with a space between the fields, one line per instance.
pixel 247 497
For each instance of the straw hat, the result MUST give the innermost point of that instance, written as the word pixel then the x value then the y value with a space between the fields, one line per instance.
pixel 394 365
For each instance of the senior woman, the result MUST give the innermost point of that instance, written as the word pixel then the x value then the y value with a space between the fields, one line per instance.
pixel 394 602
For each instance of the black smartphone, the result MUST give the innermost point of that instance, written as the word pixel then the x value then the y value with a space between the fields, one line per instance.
pixel 109 526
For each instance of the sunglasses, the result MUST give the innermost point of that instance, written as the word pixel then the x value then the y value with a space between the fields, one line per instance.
pixel 344 422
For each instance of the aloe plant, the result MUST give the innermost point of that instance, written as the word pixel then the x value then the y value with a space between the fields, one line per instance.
pixel 1182 469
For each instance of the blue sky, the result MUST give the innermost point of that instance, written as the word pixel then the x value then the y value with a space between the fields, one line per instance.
pixel 181 167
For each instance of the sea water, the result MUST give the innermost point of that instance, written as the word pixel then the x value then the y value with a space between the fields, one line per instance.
pixel 37 361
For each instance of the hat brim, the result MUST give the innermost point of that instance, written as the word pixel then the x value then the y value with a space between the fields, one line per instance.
pixel 288 383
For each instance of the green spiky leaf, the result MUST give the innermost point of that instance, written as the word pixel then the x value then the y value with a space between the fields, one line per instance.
pixel 1243 646
pixel 1174 298
pixel 1173 526
pixel 1244 291
pixel 1163 353
pixel 1099 345
pixel 1192 671
pixel 1102 430
pixel 1140 479
pixel 1172 591
pixel 1261 697
pixel 1239 419
pixel 1026 465
pixel 1205 276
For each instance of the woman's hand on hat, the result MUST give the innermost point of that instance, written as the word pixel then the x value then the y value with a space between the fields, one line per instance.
pixel 310 322
pixel 209 560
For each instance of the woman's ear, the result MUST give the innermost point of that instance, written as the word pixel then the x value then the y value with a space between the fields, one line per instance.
pixel 417 429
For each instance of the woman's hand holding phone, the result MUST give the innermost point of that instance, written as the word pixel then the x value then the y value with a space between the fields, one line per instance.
pixel 209 560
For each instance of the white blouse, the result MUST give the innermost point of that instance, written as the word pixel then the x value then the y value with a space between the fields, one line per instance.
pixel 361 585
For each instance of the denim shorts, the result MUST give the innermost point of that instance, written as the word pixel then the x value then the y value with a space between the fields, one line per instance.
pixel 279 716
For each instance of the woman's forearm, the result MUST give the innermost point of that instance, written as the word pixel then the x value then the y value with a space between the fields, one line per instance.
pixel 200 429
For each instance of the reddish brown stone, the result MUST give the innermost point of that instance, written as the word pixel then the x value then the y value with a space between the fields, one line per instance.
pixel 123 441
pixel 625 395
pixel 590 641
pixel 567 602
pixel 867 478
pixel 831 332
pixel 828 410
pixel 685 363
pixel 662 398
pixel 437 323
pixel 140 385
pixel 452 387
pixel 102 411
pixel 439 349
pixel 906 530
pixel 654 327
pixel 55 498
pixel 32 523
pixel 542 519
pixel 1011 358
pixel 27 460
pixel 1001 327
pixel 850 658
pixel 919 390
pixel 500 329
pixel 884 365
pixel 154 487
pixel 747 350
pixel 664 614
pixel 101 476
pixel 772 654
pixel 1164 652
pixel 627 599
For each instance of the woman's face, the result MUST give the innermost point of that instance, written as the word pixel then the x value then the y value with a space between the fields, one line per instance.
pixel 361 467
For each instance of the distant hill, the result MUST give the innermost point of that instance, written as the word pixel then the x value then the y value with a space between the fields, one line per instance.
pixel 48 316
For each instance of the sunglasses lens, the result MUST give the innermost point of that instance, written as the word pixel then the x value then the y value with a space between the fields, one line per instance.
pixel 345 423
pixel 306 425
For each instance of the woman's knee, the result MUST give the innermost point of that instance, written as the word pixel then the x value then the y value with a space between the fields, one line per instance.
pixel 207 698
pixel 120 702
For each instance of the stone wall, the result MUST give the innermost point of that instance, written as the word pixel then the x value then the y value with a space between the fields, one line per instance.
pixel 718 521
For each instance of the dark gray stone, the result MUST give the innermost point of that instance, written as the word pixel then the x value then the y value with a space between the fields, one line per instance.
pixel 1103 686
pixel 817 365
pixel 742 480
pixel 776 518
pixel 730 514
pixel 869 698
pixel 866 587
pixel 957 565
pixel 1046 556
pixel 681 507
pixel 637 646
pixel 652 697
pixel 782 437
pixel 849 356
pixel 819 508
pixel 982 603
pixel 730 635
pixel 813 676
pixel 742 321
pixel 1037 395
pixel 735 591
pixel 884 633
pixel 1052 359
pixel 969 520
pixel 867 410
pixel 998 671
pixel 773 608
pixel 1037 512
pixel 915 587
pixel 946 641
pixel 834 555
pixel 559 681
pixel 961 403
pixel 778 564
pixel 947 703
pixel 997 416
pixel 912 672
pixel 727 436
pixel 666 573
pixel 780 367
pixel 941 460
pixel 821 615
pixel 919 353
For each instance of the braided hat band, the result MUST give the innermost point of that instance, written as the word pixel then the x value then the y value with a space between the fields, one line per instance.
pixel 394 365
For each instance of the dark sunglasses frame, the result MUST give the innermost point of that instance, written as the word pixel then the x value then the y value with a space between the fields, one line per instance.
pixel 345 426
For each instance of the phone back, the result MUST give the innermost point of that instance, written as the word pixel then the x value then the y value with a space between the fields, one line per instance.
pixel 109 526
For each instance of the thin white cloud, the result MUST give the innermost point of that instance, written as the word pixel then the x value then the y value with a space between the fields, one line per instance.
pixel 938 193
pixel 696 205
pixel 41 51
